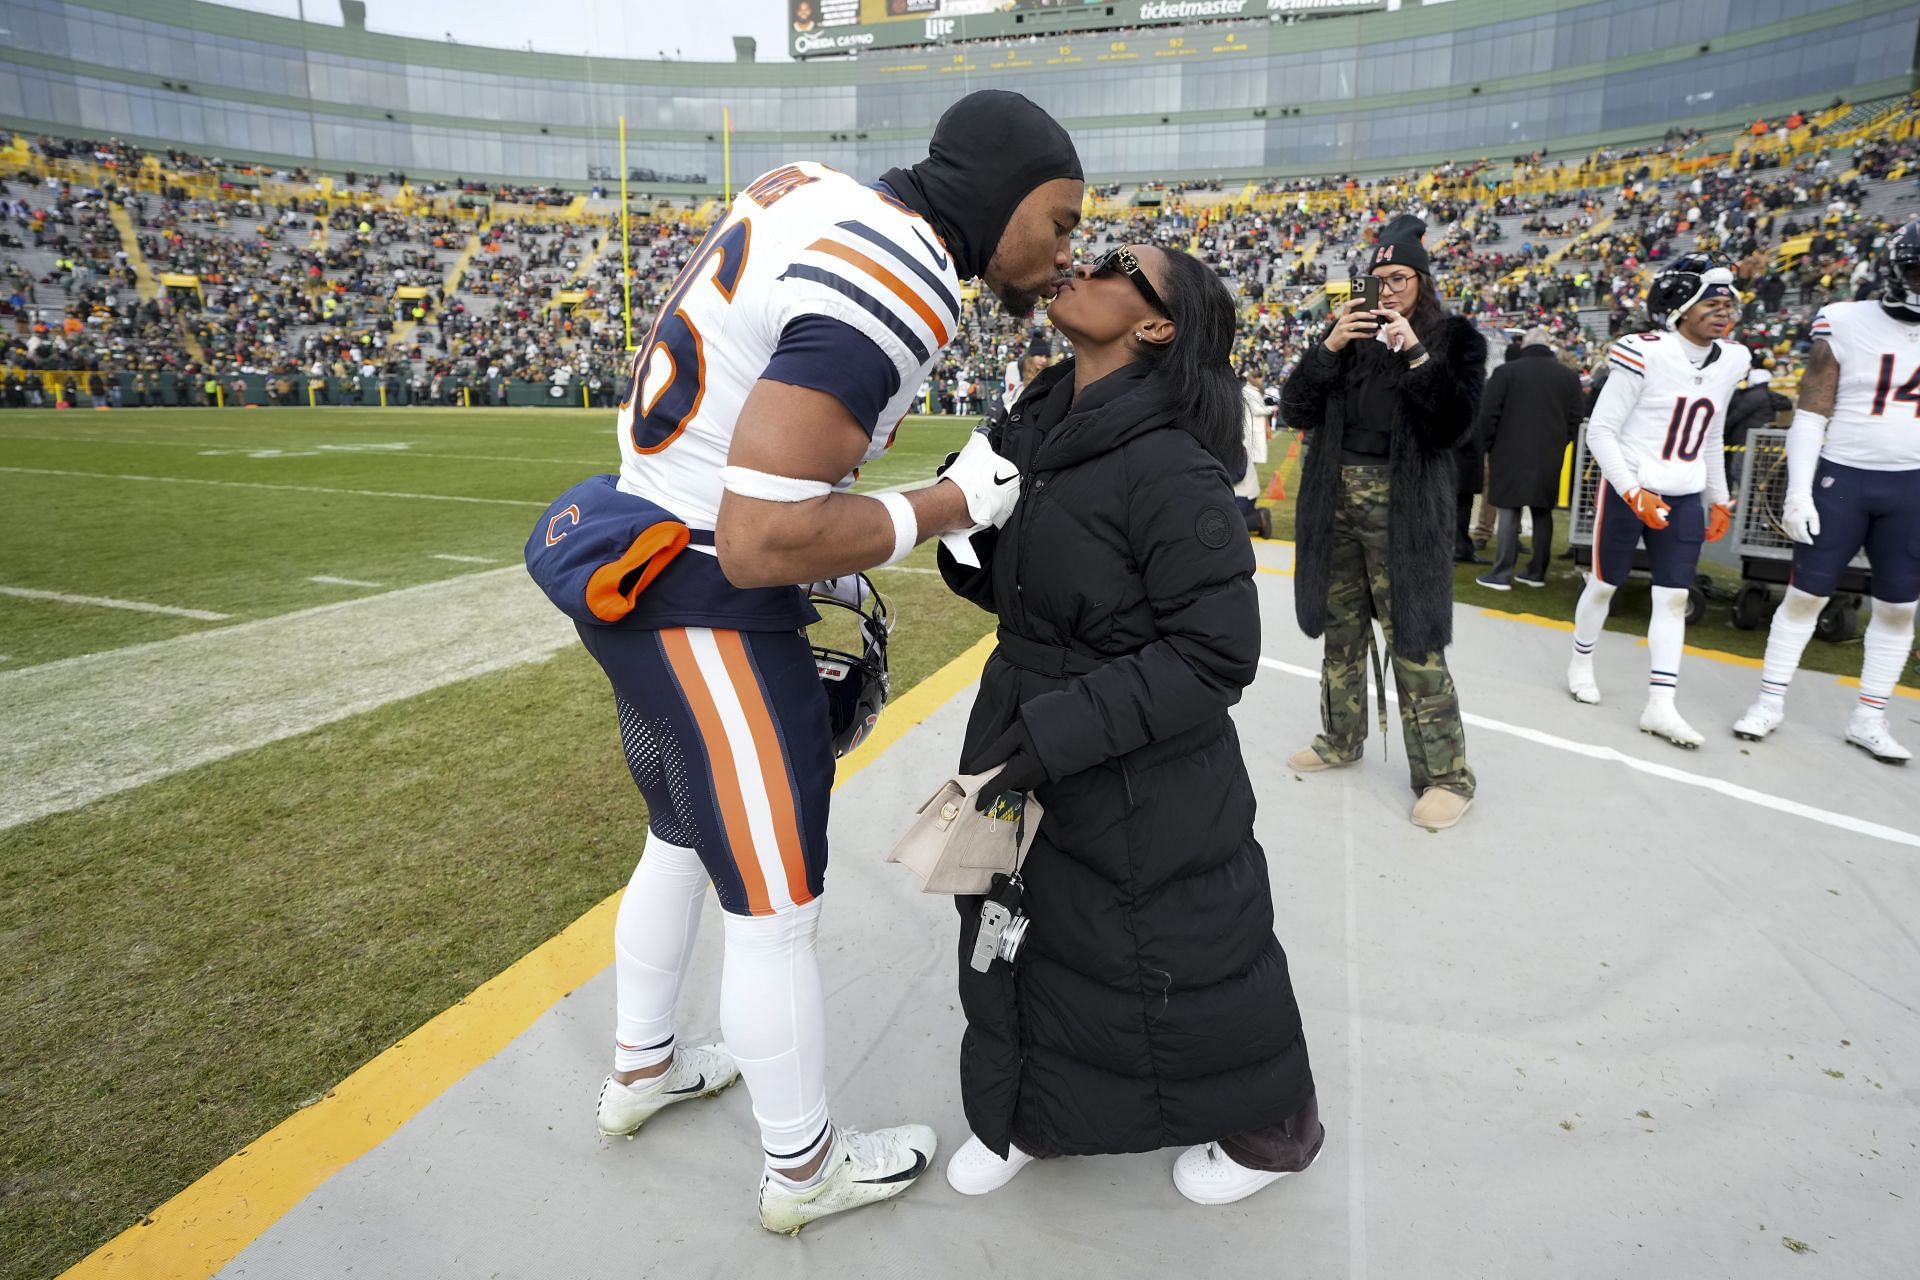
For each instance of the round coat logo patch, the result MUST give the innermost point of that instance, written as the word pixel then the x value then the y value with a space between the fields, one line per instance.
pixel 1213 527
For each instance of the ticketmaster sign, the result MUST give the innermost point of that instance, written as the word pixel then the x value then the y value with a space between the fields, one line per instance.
pixel 823 27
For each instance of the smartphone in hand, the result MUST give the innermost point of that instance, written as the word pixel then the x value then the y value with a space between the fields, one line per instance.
pixel 1366 291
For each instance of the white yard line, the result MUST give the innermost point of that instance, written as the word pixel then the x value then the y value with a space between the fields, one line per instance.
pixel 318 449
pixel 325 581
pixel 86 727
pixel 284 488
pixel 466 559
pixel 1732 790
pixel 109 602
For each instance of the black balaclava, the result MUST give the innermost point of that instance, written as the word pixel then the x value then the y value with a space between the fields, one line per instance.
pixel 1399 243
pixel 989 151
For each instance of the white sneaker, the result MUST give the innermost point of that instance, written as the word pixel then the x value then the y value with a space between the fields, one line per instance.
pixel 1663 720
pixel 697 1072
pixel 974 1170
pixel 1761 719
pixel 862 1168
pixel 1208 1175
pixel 1580 681
pixel 1873 735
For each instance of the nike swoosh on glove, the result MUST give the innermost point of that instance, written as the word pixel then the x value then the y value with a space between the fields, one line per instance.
pixel 990 483
pixel 1800 518
pixel 1719 520
pixel 1021 769
pixel 1648 506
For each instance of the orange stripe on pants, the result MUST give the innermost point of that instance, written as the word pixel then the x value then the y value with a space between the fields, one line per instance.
pixel 773 764
pixel 726 783
pixel 1599 511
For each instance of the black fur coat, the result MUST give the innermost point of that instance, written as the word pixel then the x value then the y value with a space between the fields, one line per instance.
pixel 1436 406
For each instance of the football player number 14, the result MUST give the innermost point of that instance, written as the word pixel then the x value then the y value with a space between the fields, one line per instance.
pixel 668 375
pixel 1908 391
pixel 1687 431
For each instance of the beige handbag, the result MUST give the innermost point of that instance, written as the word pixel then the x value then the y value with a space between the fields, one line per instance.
pixel 954 848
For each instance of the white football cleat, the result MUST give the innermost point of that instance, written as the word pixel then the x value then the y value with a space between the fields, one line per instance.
pixel 862 1169
pixel 697 1072
pixel 1873 735
pixel 1761 719
pixel 1663 720
pixel 974 1170
pixel 1207 1175
pixel 1580 681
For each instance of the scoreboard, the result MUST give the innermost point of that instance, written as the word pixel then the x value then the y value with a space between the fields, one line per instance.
pixel 818 28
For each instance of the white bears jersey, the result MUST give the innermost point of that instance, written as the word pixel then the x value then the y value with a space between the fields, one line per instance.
pixel 1660 420
pixel 803 240
pixel 1875 424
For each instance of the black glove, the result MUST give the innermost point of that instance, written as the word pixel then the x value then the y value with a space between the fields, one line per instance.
pixel 1021 769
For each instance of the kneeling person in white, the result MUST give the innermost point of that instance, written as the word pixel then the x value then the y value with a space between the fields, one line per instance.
pixel 1656 435
pixel 1853 482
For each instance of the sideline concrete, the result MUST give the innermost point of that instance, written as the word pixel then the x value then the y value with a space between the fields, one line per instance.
pixel 1609 1026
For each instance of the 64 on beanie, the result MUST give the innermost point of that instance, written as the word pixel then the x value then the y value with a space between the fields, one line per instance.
pixel 1398 244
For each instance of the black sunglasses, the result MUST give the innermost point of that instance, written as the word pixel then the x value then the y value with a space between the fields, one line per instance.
pixel 1123 261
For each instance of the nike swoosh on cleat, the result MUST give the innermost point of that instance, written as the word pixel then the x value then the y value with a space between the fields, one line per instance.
pixel 695 1087
pixel 905 1175
pixel 1006 479
pixel 939 258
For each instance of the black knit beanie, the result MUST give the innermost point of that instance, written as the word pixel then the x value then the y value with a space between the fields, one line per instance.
pixel 1399 245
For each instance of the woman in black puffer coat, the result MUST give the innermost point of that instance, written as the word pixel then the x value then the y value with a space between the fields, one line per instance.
pixel 1150 1004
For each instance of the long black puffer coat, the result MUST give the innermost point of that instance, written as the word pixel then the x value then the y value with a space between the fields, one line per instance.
pixel 1150 1004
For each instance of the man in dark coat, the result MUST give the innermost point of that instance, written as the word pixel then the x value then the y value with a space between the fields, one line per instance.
pixel 1755 405
pixel 1150 1004
pixel 1529 414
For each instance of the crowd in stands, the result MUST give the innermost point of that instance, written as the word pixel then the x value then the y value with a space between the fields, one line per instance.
pixel 322 298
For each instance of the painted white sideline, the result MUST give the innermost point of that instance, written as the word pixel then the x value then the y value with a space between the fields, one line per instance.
pixel 86 727
pixel 109 602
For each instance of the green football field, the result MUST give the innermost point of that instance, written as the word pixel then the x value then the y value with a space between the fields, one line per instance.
pixel 208 939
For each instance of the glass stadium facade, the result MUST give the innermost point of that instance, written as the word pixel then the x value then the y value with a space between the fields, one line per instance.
pixel 1354 94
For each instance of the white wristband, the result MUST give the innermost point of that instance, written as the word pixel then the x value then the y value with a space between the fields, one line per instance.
pixel 749 483
pixel 906 526
pixel 1805 437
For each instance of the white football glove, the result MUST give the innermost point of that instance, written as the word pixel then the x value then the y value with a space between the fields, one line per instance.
pixel 991 483
pixel 1800 518
pixel 847 589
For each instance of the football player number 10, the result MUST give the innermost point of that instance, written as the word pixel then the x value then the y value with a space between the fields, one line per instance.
pixel 1687 432
pixel 668 375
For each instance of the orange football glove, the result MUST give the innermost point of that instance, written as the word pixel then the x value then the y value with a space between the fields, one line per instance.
pixel 1650 507
pixel 1719 520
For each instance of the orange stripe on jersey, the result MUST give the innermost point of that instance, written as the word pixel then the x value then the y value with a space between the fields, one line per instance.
pixel 773 764
pixel 890 280
pixel 726 783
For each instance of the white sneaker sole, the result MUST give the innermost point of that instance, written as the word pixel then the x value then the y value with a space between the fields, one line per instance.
pixel 1259 1181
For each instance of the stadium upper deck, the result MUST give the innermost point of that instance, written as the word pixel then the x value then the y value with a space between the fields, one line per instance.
pixel 1364 94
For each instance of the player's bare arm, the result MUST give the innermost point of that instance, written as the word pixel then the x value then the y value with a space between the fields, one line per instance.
pixel 1820 384
pixel 809 435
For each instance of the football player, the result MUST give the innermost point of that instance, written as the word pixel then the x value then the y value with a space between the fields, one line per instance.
pixel 1853 482
pixel 787 352
pixel 1656 435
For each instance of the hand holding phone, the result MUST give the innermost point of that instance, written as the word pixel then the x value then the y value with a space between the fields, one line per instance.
pixel 1366 292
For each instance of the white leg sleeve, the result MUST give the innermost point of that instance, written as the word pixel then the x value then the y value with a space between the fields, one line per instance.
pixel 1888 637
pixel 773 1014
pixel 652 938
pixel 1590 615
pixel 1787 638
pixel 1666 635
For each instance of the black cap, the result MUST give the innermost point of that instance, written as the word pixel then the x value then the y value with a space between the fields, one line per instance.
pixel 1399 244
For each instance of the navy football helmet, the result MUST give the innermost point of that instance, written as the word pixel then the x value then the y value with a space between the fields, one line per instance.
pixel 856 684
pixel 1688 279
pixel 1899 284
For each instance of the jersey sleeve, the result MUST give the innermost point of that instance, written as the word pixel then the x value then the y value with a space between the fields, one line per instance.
pixel 863 277
pixel 1822 330
pixel 1628 356
pixel 831 356
pixel 1618 396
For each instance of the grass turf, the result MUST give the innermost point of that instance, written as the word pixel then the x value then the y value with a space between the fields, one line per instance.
pixel 193 960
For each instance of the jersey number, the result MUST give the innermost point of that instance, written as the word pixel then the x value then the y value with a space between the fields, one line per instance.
pixel 1909 390
pixel 669 372
pixel 1688 429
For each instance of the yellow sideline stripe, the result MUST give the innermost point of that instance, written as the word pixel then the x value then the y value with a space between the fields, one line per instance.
pixel 205 1226
pixel 1899 690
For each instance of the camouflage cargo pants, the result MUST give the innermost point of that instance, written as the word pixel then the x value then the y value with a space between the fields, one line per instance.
pixel 1358 591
